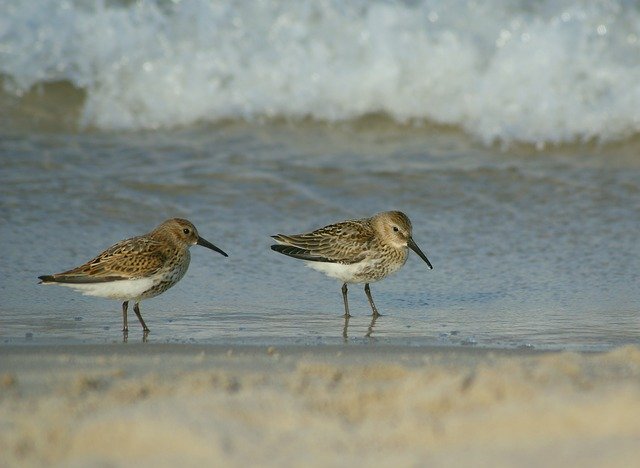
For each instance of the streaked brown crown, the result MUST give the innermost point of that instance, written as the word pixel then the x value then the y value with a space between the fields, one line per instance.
pixel 177 231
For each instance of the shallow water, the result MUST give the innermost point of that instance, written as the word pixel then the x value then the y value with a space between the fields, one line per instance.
pixel 529 248
pixel 314 112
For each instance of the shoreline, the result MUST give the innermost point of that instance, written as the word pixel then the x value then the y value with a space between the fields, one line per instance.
pixel 160 404
pixel 303 348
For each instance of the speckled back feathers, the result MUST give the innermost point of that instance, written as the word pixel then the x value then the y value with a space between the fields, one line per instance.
pixel 163 249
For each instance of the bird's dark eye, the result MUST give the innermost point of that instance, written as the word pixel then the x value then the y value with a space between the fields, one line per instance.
pixel 186 231
pixel 395 229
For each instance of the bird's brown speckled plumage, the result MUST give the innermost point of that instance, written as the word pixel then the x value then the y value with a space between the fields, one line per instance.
pixel 161 250
pixel 355 251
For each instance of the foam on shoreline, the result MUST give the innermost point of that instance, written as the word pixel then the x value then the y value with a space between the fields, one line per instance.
pixel 541 72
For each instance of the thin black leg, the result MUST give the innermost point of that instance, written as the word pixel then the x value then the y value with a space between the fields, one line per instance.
pixel 125 325
pixel 373 306
pixel 346 302
pixel 136 309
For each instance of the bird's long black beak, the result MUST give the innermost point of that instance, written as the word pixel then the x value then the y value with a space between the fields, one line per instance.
pixel 209 245
pixel 413 246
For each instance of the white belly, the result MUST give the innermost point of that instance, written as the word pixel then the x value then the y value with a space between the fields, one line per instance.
pixel 345 273
pixel 123 289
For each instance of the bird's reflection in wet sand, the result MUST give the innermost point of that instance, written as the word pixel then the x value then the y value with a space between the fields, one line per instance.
pixel 125 336
pixel 371 325
pixel 346 326
pixel 345 329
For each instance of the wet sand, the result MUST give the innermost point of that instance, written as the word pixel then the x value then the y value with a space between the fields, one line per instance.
pixel 154 404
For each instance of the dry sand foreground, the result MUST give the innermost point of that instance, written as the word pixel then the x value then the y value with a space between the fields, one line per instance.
pixel 331 406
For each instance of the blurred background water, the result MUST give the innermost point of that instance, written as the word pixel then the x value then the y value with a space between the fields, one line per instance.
pixel 507 131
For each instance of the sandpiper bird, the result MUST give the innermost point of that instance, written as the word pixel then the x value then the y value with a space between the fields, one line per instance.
pixel 355 251
pixel 137 268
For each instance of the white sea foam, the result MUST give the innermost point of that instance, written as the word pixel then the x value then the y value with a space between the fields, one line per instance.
pixel 540 72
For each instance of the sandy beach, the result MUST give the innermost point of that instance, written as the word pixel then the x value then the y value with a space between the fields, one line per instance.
pixel 327 406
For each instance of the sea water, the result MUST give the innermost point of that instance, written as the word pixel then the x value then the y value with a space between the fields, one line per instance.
pixel 507 131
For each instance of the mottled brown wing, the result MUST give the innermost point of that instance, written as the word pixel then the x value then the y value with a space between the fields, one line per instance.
pixel 131 258
pixel 346 242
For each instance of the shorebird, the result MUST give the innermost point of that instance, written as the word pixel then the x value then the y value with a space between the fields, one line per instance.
pixel 355 251
pixel 138 268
